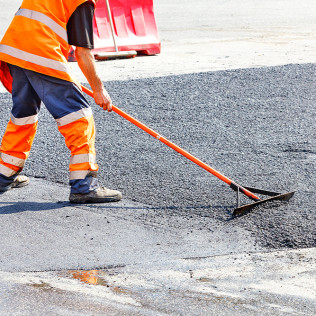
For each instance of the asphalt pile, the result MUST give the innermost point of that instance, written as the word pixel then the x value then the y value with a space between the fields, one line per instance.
pixel 256 126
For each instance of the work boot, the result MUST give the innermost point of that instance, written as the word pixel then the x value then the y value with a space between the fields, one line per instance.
pixel 18 182
pixel 100 195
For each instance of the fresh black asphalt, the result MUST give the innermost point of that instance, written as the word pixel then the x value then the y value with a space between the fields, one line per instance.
pixel 256 126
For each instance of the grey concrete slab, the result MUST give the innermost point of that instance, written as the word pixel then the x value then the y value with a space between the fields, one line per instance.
pixel 215 35
pixel 275 283
pixel 42 231
pixel 207 35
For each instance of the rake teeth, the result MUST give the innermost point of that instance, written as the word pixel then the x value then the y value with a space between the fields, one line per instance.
pixel 244 209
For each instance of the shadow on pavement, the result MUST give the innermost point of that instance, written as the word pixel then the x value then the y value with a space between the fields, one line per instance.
pixel 171 207
pixel 17 207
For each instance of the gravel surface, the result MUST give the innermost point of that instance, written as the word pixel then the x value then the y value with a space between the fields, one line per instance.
pixel 257 126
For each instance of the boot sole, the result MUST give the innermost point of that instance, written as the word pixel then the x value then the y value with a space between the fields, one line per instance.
pixel 14 185
pixel 81 200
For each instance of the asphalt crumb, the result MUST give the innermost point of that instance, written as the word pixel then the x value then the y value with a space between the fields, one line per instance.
pixel 256 126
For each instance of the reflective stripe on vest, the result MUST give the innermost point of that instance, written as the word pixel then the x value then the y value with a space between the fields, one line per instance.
pixel 35 59
pixel 6 171
pixel 41 17
pixel 24 120
pixel 46 48
pixel 77 175
pixel 81 158
pixel 18 162
pixel 72 117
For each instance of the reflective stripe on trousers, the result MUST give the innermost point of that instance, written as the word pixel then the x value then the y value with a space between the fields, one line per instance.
pixel 67 105
pixel 15 147
pixel 81 145
pixel 18 139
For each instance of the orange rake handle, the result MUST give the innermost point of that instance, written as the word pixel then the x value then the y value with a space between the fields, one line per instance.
pixel 181 151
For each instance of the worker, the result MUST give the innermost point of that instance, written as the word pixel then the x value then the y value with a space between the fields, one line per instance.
pixel 34 68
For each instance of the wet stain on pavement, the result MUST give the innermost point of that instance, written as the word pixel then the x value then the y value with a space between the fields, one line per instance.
pixel 89 277
pixel 94 277
pixel 42 286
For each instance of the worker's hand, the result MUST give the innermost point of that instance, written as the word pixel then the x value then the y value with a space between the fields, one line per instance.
pixel 86 63
pixel 103 99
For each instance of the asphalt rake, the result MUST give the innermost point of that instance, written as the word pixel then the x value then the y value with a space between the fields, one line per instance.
pixel 247 191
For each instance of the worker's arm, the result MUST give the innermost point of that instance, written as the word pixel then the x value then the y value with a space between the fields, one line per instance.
pixel 86 63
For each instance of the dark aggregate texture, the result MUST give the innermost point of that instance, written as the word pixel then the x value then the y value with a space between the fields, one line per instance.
pixel 256 126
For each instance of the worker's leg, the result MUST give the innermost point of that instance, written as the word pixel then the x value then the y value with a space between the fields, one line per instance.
pixel 74 118
pixel 18 137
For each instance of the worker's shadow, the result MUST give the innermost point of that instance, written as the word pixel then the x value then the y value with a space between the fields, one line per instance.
pixel 214 208
pixel 18 207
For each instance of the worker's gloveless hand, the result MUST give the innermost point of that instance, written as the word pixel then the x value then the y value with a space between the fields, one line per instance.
pixel 103 99
pixel 86 63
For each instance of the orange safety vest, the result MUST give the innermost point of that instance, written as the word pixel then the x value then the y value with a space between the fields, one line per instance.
pixel 37 39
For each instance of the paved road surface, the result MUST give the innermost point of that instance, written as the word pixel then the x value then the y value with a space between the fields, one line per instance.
pixel 171 247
